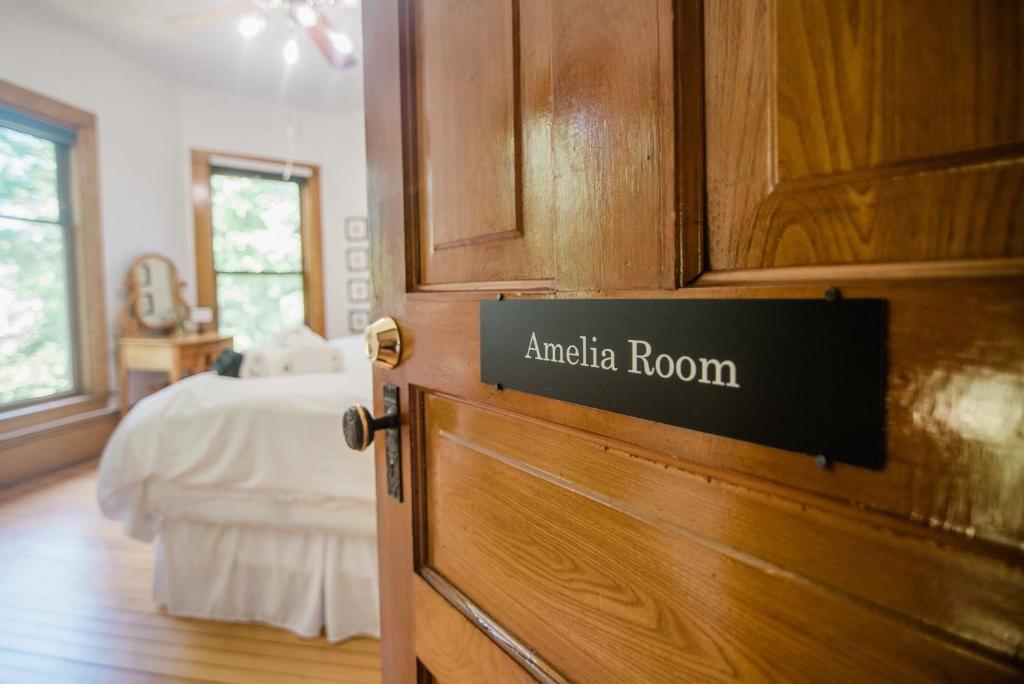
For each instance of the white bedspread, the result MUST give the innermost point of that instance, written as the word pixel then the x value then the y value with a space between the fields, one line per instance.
pixel 212 441
pixel 260 509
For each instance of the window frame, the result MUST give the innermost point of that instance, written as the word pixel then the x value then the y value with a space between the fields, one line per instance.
pixel 309 230
pixel 64 221
pixel 83 232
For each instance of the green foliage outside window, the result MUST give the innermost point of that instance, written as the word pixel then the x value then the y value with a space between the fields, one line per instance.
pixel 35 327
pixel 254 306
pixel 257 254
pixel 28 177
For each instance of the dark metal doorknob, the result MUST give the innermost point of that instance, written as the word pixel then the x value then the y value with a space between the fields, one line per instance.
pixel 359 425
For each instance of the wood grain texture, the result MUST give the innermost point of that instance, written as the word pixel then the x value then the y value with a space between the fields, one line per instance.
pixel 614 144
pixel 869 83
pixel 36 416
pixel 916 270
pixel 526 657
pixel 177 355
pixel 36 450
pixel 682 603
pixel 947 488
pixel 481 129
pixel 688 40
pixel 453 649
pixel 75 606
pixel 312 253
pixel 738 123
pixel 621 549
pixel 468 121
pixel 864 131
pixel 972 597
pixel 564 91
pixel 202 223
pixel 946 468
pixel 392 198
pixel 89 266
pixel 45 107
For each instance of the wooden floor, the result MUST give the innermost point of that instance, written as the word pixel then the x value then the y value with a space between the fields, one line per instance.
pixel 76 606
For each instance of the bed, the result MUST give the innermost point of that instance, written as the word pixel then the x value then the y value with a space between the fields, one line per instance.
pixel 258 509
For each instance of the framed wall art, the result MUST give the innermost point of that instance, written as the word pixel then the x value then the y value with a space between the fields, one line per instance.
pixel 358 319
pixel 357 259
pixel 358 290
pixel 356 229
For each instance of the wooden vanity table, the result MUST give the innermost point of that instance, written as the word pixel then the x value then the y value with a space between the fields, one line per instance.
pixel 153 309
pixel 176 355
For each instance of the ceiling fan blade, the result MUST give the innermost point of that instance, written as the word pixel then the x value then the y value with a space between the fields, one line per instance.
pixel 211 15
pixel 319 33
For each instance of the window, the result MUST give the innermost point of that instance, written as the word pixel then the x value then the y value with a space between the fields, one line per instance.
pixel 257 246
pixel 257 255
pixel 53 350
pixel 53 354
pixel 37 351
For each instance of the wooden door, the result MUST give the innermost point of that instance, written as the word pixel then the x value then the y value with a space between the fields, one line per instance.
pixel 680 149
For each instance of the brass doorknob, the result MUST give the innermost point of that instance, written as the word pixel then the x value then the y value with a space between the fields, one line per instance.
pixel 383 342
pixel 359 426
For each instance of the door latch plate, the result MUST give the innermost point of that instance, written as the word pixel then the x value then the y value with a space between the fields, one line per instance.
pixel 393 444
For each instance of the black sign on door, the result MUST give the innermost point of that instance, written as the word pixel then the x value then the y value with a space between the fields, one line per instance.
pixel 799 375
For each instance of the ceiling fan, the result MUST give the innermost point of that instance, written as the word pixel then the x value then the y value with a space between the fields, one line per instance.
pixel 254 16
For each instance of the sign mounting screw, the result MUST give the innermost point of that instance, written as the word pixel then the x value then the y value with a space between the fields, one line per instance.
pixel 821 460
pixel 832 294
pixel 500 297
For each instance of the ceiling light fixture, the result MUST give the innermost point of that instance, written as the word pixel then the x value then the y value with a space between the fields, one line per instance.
pixel 252 25
pixel 306 15
pixel 341 43
pixel 295 21
pixel 290 52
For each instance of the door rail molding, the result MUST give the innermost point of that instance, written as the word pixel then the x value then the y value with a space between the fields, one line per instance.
pixel 1009 267
pixel 526 657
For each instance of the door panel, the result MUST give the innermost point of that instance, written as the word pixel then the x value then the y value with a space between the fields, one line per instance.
pixel 875 132
pixel 613 142
pixel 822 543
pixel 482 127
pixel 454 650
pixel 522 515
pixel 468 121
pixel 872 147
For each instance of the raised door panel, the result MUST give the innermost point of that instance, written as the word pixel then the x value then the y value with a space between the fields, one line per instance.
pixel 452 649
pixel 525 129
pixel 863 131
pixel 614 144
pixel 613 567
pixel 476 159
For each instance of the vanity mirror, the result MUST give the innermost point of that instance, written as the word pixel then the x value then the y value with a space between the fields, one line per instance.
pixel 154 305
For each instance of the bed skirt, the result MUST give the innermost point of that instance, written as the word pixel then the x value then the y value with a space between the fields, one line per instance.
pixel 307 581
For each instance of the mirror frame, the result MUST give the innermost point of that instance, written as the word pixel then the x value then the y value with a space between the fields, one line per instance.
pixel 129 321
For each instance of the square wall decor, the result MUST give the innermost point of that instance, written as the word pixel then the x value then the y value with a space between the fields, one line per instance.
pixel 356 229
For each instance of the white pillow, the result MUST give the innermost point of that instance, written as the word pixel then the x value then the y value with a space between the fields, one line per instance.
pixel 296 336
pixel 293 351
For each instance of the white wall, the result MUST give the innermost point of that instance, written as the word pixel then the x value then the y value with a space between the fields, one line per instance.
pixel 148 123
pixel 137 130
